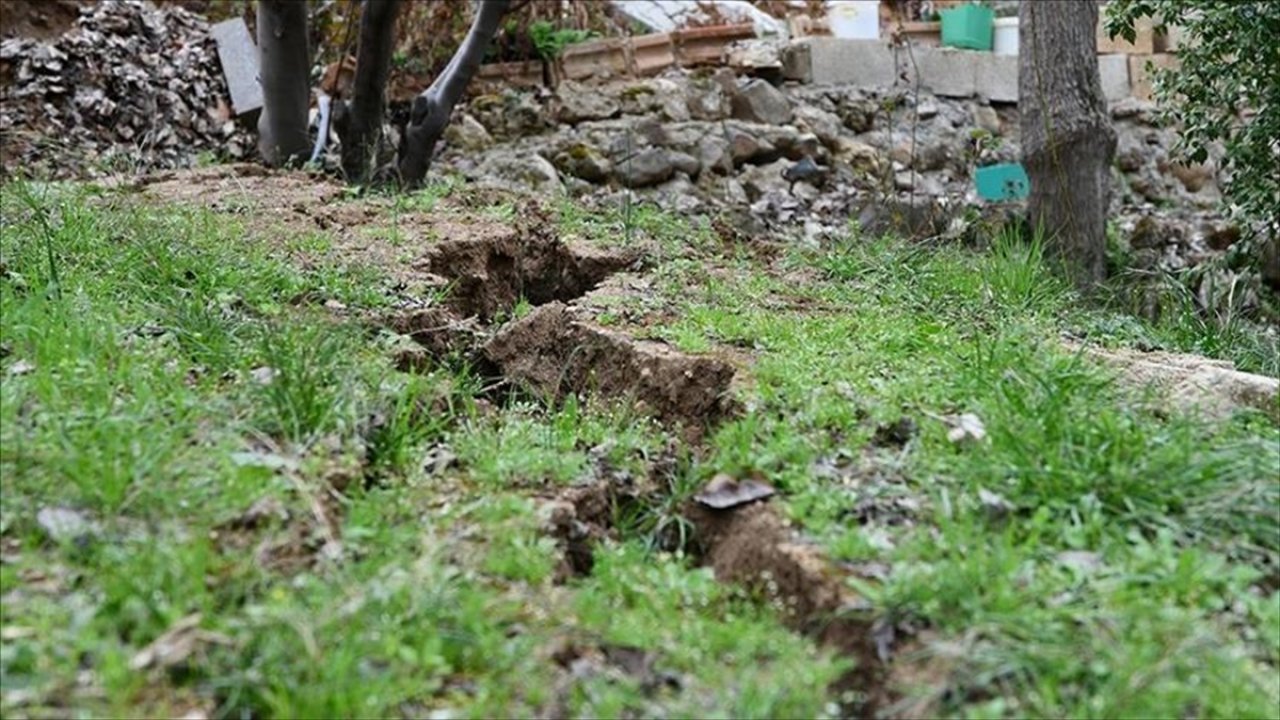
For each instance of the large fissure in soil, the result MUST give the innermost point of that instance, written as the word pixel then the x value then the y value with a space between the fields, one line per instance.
pixel 557 350
pixel 753 547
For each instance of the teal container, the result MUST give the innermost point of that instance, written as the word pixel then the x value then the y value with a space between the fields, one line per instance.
pixel 968 26
pixel 1002 182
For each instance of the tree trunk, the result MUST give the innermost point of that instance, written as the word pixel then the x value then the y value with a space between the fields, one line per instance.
pixel 360 125
pixel 1067 138
pixel 283 69
pixel 431 109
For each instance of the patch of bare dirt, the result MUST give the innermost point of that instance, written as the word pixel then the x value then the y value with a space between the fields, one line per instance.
pixel 556 353
pixel 1214 387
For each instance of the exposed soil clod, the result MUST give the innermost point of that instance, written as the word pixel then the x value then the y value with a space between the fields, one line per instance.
pixel 557 354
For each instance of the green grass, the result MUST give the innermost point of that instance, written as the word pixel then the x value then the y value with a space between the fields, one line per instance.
pixel 1092 555
pixel 1181 517
pixel 171 382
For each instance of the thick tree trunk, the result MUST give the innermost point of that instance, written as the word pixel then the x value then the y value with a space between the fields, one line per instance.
pixel 283 68
pixel 1067 139
pixel 360 124
pixel 431 109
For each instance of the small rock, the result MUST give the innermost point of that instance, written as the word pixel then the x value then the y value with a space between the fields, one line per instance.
pixel 758 101
pixel 585 162
pixel 965 426
pixel 22 367
pixel 645 168
pixel 61 524
pixel 467 133
pixel 263 375
pixel 994 504
pixel 824 125
pixel 987 118
pixel 725 492
pixel 577 102
pixel 1079 560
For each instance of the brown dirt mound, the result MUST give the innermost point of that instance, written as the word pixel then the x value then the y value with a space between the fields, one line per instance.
pixel 558 354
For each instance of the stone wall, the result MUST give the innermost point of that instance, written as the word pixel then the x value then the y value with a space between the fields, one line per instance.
pixel 803 158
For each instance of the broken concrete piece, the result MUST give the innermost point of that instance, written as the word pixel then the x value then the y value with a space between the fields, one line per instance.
pixel 239 57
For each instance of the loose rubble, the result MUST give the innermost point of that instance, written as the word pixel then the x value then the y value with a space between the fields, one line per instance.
pixel 129 87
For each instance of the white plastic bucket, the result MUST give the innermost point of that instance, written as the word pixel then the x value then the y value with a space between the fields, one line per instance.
pixel 854 19
pixel 1005 36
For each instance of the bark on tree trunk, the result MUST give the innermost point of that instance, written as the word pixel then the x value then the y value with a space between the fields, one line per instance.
pixel 431 109
pixel 360 125
pixel 283 68
pixel 1067 139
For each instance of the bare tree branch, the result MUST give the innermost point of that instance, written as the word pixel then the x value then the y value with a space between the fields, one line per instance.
pixel 431 109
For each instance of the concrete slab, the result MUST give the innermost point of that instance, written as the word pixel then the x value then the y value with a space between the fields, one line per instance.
pixel 997 77
pixel 239 57
pixel 1114 70
pixel 948 72
pixel 865 63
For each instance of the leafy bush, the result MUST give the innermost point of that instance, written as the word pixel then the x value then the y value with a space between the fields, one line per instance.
pixel 1225 90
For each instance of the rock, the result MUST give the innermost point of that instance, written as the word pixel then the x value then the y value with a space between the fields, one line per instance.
pixel 725 492
pixel 822 124
pixel 713 154
pixel 576 102
pixel 466 133
pixel 62 524
pixel 647 167
pixel 758 101
pixel 1146 234
pixel 511 114
pixel 680 194
pixel 926 109
pixel 985 117
pixel 686 164
pixel 661 97
pixel 859 156
pixel 759 180
pixel 858 113
pixel 585 162
pixel 518 170
pixel 1213 387
pixel 746 147
pixel 707 100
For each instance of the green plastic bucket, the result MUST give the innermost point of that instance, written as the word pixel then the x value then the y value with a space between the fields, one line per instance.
pixel 968 26
pixel 1004 182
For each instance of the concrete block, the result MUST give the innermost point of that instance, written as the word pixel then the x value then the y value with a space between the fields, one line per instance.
pixel 948 72
pixel 1114 70
pixel 864 63
pixel 1140 77
pixel 997 77
pixel 239 57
